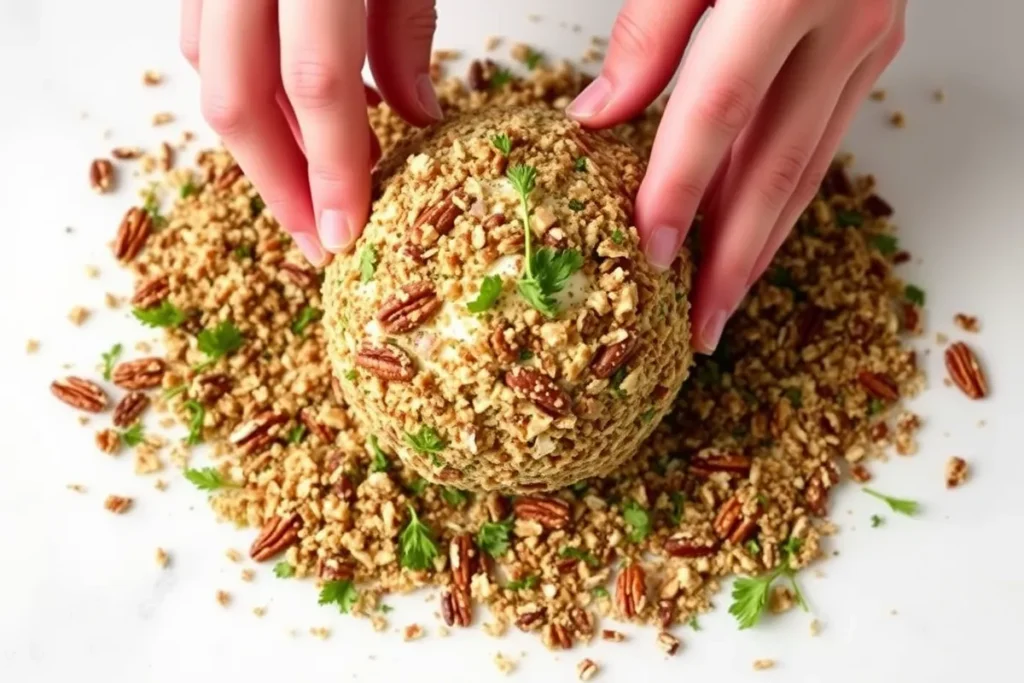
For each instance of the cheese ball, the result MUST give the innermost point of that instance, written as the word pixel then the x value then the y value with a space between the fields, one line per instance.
pixel 492 356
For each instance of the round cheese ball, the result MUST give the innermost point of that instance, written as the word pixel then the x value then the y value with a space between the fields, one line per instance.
pixel 489 357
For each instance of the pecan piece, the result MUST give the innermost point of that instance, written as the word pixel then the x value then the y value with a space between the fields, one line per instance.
pixel 505 350
pixel 462 556
pixel 877 207
pixel 611 358
pixel 345 489
pixel 108 441
pixel 540 389
pixel 455 607
pixel 527 621
pixel 711 460
pixel 731 524
pixel 143 373
pixel 956 472
pixel 556 637
pixel 210 388
pixel 410 308
pixel 441 217
pixel 228 177
pixel 388 362
pixel 126 153
pixel 277 534
pixel 475 78
pixel 550 513
pixel 132 234
pixel 80 393
pixel 320 430
pixel 964 370
pixel 631 591
pixel 101 175
pixel 879 386
pixel 299 276
pixel 680 545
pixel 809 325
pixel 668 643
pixel 255 435
pixel 818 486
pixel 666 613
pixel 129 408
pixel 151 292
pixel 582 621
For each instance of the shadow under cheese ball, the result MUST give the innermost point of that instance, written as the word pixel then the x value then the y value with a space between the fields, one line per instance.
pixel 487 357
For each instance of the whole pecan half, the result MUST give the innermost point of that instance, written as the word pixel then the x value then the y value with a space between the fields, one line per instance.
pixel 631 590
pixel 254 435
pixel 708 461
pixel 611 358
pixel 462 556
pixel 101 175
pixel 731 524
pixel 228 177
pixel 386 361
pixel 681 545
pixel 541 390
pixel 277 534
pixel 151 292
pixel 441 216
pixel 409 308
pixel 80 393
pixel 128 409
pixel 964 370
pixel 143 373
pixel 550 513
pixel 132 234
pixel 456 608
pixel 319 429
pixel 818 486
pixel 211 387
pixel 879 386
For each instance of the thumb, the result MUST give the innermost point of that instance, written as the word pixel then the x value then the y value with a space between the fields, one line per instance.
pixel 399 36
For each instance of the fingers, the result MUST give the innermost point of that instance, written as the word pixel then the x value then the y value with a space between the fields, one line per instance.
pixel 191 13
pixel 733 61
pixel 238 43
pixel 400 33
pixel 647 42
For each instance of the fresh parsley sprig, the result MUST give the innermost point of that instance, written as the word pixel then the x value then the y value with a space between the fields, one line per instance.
pixel 525 583
pixel 109 358
pixel 750 593
pixel 367 263
pixel 218 342
pixel 416 543
pixel 454 497
pixel 380 461
pixel 195 423
pixel 133 436
pixel 209 479
pixel 426 441
pixel 490 290
pixel 493 537
pixel 900 505
pixel 165 314
pixel 307 316
pixel 503 143
pixel 341 593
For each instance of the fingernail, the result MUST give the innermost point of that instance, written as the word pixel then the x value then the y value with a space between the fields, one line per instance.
pixel 311 249
pixel 592 100
pixel 335 232
pixel 712 332
pixel 662 247
pixel 428 98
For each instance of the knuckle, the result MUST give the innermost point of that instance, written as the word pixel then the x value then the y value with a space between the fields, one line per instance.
pixel 782 176
pixel 311 83
pixel 727 107
pixel 629 36
pixel 225 113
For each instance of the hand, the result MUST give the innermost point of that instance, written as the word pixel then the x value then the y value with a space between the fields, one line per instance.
pixel 762 101
pixel 281 84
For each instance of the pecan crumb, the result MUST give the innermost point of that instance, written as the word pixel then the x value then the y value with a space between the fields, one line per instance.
pixel 504 664
pixel 763 664
pixel 259 611
pixel 957 472
pixel 320 632
pixel 77 488
pixel 162 118
pixel 878 95
pixel 117 504
pixel 162 558
pixel 108 441
pixel 152 77
pixel 248 575
pixel 233 555
pixel 412 632
pixel 897 119
pixel 78 315
pixel 815 627
pixel 586 669
pixel 223 598
pixel 967 323
pixel 31 346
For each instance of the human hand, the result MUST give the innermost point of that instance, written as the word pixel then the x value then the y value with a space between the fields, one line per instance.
pixel 762 101
pixel 281 84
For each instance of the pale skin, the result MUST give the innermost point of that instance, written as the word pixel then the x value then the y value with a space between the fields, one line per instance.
pixel 762 101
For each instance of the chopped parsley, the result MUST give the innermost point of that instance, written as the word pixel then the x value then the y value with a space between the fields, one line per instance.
pixel 577 554
pixel 794 396
pixel 426 441
pixel 208 479
pixel 195 423
pixel 490 290
pixel 218 342
pixel 576 205
pixel 187 190
pixel 416 544
pixel 341 593
pixel 885 244
pixel 877 521
pixel 750 593
pixel 900 505
pixel 693 623
pixel 678 507
pixel 502 143
pixel 638 520
pixel 244 251
pixel 283 570
pixel 307 316
pixel 296 434
pixel 418 485
pixel 527 582
pixel 618 236
pixel 256 206
pixel 914 295
pixel 647 415
pixel 599 592
pixel 499 78
pixel 165 314
pixel 849 219
pixel 109 358
pixel 875 406
pixel 367 263
pixel 615 382
pixel 533 58
pixel 454 497
pixel 380 461
pixel 580 165
pixel 525 355
pixel 493 537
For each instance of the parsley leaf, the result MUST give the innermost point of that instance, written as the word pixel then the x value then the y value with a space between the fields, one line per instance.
pixel 283 570
pixel 502 143
pixel 638 519
pixel 526 582
pixel 418 485
pixel 454 497
pixel 367 263
pixel 164 315
pixel 600 592
pixel 616 380
pixel 900 505
pixel 418 549
pixel 187 190
pixel 877 521
pixel 647 415
pixel 547 271
pixel 490 290
pixel 525 355
pixel 576 205
pixel 208 479
pixel 307 315
pixel 380 459
pixel 218 342
pixel 533 58
pixel 244 251
pixel 795 396
pixel 875 406
pixel 750 593
pixel 109 358
pixel 847 219
pixel 133 436
pixel 174 391
pixel 753 547
pixel 493 537
pixel 426 441
pixel 886 244
pixel 618 236
pixel 296 434
pixel 384 608
pixel 341 593
pixel 914 295
pixel 693 623
pixel 256 206
pixel 577 554
pixel 195 424
pixel 500 77
pixel 580 165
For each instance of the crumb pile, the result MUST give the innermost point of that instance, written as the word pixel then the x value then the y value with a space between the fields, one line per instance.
pixel 491 357
pixel 803 392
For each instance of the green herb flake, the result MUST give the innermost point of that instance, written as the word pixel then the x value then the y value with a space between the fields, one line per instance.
pixel 794 396
pixel 256 206
pixel 502 143
pixel 195 423
pixel 341 593
pixel 454 497
pixel 165 314
pixel 380 462
pixel 533 59
pixel 849 219
pixel 618 236
pixel 187 190
pixel 208 479
pixel 418 486
pixel 416 544
pixel 525 583
pixel 367 262
pixel 900 505
pixel 877 521
pixel 678 507
pixel 296 434
pixel 244 251
pixel 914 295
pixel 887 245
pixel 219 341
pixel 578 554
pixel 426 441
pixel 109 359
pixel 490 290
pixel 576 205
pixel 499 78
pixel 599 592
pixel 876 406
pixel 283 570
pixel 580 165
pixel 647 415
pixel 493 537
pixel 638 519
pixel 307 316
pixel 525 355
pixel 753 547
pixel 133 436
pixel 616 380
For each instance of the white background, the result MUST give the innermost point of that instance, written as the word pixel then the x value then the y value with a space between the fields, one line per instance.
pixel 939 598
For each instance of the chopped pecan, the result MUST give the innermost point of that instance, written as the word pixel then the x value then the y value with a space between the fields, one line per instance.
pixel 441 217
pixel 956 472
pixel 877 207
pixel 462 556
pixel 129 408
pixel 586 669
pixel 410 308
pixel 556 637
pixel 386 361
pixel 335 569
pixel 254 435
pixel 964 370
pixel 613 636
pixel 299 276
pixel 80 393
pixel 118 504
pixel 666 612
pixel 165 156
pixel 126 153
pixel 535 386
pixel 228 177
pixel 320 430
pixel 345 489
pixel 132 234
pixel 505 350
pixel 143 373
pixel 475 77
pixel 879 386
pixel 967 323
pixel 708 461
pixel 610 358
pixel 527 621
pixel 731 524
pixel 151 292
pixel 668 643
pixel 860 474
pixel 631 590
pixel 108 441
pixel 551 513
pixel 818 486
pixel 101 175
pixel 911 318
pixel 277 535
pixel 582 621
pixel 809 325
pixel 680 545
pixel 211 387
pixel 455 607
pixel 836 182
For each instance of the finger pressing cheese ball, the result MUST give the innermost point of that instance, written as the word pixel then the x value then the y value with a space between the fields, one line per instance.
pixel 497 326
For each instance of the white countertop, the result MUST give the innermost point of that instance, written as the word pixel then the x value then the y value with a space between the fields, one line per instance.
pixel 938 598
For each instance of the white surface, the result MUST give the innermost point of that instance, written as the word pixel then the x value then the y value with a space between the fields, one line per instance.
pixel 82 599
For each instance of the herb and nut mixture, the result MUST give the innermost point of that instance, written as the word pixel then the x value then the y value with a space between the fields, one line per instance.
pixel 803 391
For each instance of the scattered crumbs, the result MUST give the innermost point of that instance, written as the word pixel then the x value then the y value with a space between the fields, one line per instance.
pixel 78 315
pixel 592 55
pixel 982 423
pixel 781 599
pixel 613 636
pixel 111 300
pixel 504 664
pixel 187 136
pixel 598 41
pixel 898 119
pixel 162 118
pixel 143 347
pixel 233 555
pixel 31 346
pixel 492 42
pixel 878 95
pixel 379 623
pixel 446 55
pixel 321 632
pixel 83 420
pixel 576 28
pixel 68 229
pixel 967 323
pixel 586 669
pixel 248 575
pixel 957 472
pixel 259 611
pixel 668 643
pixel 495 629
pixel 160 485
pixel 107 134
pixel 162 558
pixel 763 664
pixel 77 488
pixel 939 95
pixel 92 272
pixel 815 627
pixel 534 17
pixel 223 598
pixel 125 153
pixel 520 52
pixel 151 77
pixel 443 631
pixel 412 632
pixel 941 338
pixel 117 504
